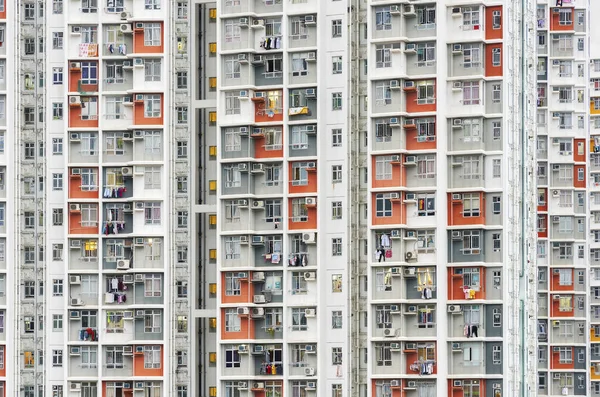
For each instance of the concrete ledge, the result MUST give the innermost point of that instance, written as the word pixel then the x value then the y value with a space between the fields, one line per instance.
pixel 205 208
pixel 206 313
pixel 204 104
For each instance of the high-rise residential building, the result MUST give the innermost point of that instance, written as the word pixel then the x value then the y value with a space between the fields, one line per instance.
pixel 261 198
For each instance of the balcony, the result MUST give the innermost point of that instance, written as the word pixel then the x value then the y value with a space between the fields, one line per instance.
pixel 303 104
pixel 474 283
pixel 83 254
pixel 81 290
pixel 121 43
pixel 402 283
pixel 475 358
pixel 82 362
pixel 119 361
pixel 467 322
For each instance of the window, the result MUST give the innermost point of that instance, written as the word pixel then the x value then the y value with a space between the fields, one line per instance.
pixel 233 322
pixel 299 321
pixel 57 358
pixel 471 93
pixel 152 285
pixel 182 114
pixel 152 70
pixel 89 111
pixel 152 213
pixel 57 8
pixel 496 168
pixel 383 358
pixel 425 17
pixel 182 184
pixel 298 30
pixel 299 174
pixel 57 182
pixel 232 103
pixel 336 64
pixel 182 149
pixel 425 54
pixel 496 93
pixel 336 356
pixel 152 357
pixel 57 112
pixel 89 73
pixel 383 93
pixel 152 34
pixel 336 319
pixel 152 321
pixel 496 56
pixel 336 210
pixel 383 168
pixel 232 68
pixel 336 101
pixel 336 246
pixel 471 204
pixel 425 130
pixel 471 242
pixel 152 106
pixel 383 55
pixel 336 174
pixel 383 205
pixel 426 166
pixel 57 41
pixel 383 131
pixel 565 16
pixel 425 92
pixel 29 46
pixel 57 322
pixel 152 4
pixel 273 66
pixel 496 20
pixel 57 216
pixel 383 18
pixel 470 18
pixel 336 28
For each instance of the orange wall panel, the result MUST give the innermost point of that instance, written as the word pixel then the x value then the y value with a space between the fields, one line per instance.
pixel 413 144
pixel 398 213
pixel 455 285
pixel 75 191
pixel 261 153
pixel 138 42
pixel 412 357
pixel 455 212
pixel 555 307
pixel 579 150
pixel 140 119
pixel 556 364
pixel 398 175
pixel 75 225
pixel 246 329
pixel 593 336
pixel 3 13
pixel 138 365
pixel 311 222
pixel 413 107
pixel 490 32
pixel 555 282
pixel 490 69
pixel 75 120
pixel 75 77
pixel 576 181
pixel 246 292
pixel 311 187
pixel 555 20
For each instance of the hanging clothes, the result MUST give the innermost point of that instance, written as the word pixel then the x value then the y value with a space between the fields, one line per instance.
pixel 385 241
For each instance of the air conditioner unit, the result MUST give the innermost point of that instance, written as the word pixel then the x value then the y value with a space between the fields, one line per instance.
pixel 260 299
pixel 242 385
pixel 456 12
pixel 258 312
pixel 409 122
pixel 258 240
pixel 394 10
pixel 310 20
pixel 75 29
pixel 311 165
pixel 395 382
pixel 411 234
pixel 74 351
pixel 127 64
pixel 409 84
pixel 556 62
pixel 410 346
pixel 394 121
pixel 456 196
pixel 454 309
pixel 75 386
pixel 410 272
pixel 309 371
pixel 139 206
pixel 243 94
pixel 127 349
pixel 75 280
pixel 75 100
pixel 258 204
pixel 243 23
pixel 258 386
pixel 394 84
pixel 396 271
pixel 555 89
pixel 126 171
pixel 310 201
pixel 556 219
pixel 123 264
pixel 126 100
pixel 259 94
pixel 138 62
pixel 410 160
pixel 410 47
pixel 394 196
pixel 74 315
pixel 310 349
pixel 409 256
pixel 457 48
pixel 395 234
pixel 411 384
pixel 309 238
pixel 395 346
pixel 555 193
pixel 77 302
pixel 312 57
pixel 310 312
pixel 456 235
pixel 139 25
pixel 243 58
pixel 409 10
pixel 139 314
pixel 389 332
pixel 243 349
pixel 457 86
pixel 139 97
pixel 394 308
pixel 139 242
pixel 244 240
pixel 125 16
pixel 310 93
pixel 457 383
pixel 258 23
pixel 74 207
pixel 311 385
pixel 139 386
pixel 243 311
pixel 242 203
pixel 410 197
pixel 411 309
pixel 128 278
pixel 126 28
pixel 258 276
pixel 75 244
pixel 257 168
pixel 138 134
pixel 75 65
pixel 310 276
pixel 457 123
pixel 242 167
pixel 456 347
pixel 257 59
